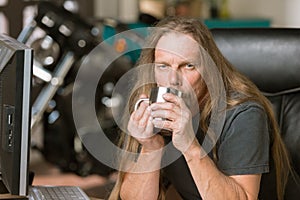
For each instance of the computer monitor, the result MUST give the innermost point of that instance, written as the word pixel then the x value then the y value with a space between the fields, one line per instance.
pixel 16 61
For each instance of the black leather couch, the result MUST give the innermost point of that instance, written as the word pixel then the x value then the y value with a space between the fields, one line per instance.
pixel 270 57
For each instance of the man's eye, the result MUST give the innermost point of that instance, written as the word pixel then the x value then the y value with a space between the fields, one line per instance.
pixel 190 66
pixel 161 66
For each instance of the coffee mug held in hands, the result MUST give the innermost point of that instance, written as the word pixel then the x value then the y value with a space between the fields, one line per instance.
pixel 156 95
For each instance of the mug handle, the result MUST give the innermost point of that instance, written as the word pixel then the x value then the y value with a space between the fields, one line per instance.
pixel 138 102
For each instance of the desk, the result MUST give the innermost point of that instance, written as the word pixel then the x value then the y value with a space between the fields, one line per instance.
pixel 14 197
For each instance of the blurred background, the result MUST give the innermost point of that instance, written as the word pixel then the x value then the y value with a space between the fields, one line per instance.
pixel 63 32
pixel 14 14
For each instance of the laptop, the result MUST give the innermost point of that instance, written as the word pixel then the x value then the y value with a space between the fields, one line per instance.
pixel 57 193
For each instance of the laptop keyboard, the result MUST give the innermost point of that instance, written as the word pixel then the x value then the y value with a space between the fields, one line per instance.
pixel 56 193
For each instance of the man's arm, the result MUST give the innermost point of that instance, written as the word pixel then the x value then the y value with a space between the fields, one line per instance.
pixel 142 182
pixel 140 186
pixel 213 184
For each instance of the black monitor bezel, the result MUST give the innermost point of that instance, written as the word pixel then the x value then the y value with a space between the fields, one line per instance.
pixel 14 158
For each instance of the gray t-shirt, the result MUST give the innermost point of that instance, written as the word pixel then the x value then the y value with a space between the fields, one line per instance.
pixel 243 148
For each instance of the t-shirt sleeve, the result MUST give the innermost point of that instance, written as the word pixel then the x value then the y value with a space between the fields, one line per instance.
pixel 244 144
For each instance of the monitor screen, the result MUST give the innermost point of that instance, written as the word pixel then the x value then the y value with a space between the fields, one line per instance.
pixel 15 114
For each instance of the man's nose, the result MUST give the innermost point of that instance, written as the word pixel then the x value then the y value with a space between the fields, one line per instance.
pixel 174 78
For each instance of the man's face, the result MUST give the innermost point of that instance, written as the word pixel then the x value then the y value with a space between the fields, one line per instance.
pixel 177 63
